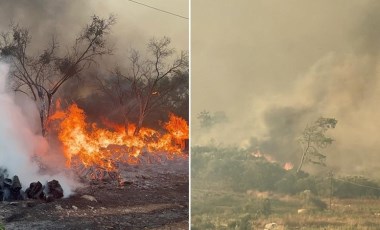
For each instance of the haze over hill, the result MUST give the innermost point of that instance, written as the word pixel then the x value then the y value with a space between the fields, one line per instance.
pixel 275 66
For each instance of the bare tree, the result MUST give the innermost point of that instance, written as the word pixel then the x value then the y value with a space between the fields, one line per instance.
pixel 141 88
pixel 41 76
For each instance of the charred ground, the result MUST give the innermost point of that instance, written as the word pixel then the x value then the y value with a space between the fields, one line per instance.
pixel 150 198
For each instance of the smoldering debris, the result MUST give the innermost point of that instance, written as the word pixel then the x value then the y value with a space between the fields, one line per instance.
pixel 11 189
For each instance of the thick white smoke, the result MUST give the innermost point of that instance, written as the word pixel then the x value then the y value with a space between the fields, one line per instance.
pixel 18 142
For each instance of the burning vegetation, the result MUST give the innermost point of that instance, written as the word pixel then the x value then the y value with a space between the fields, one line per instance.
pixel 98 152
pixel 147 85
pixel 119 136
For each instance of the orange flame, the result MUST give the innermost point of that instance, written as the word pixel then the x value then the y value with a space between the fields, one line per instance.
pixel 89 145
pixel 288 166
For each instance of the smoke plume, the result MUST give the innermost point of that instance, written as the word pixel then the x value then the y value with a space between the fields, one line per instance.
pixel 135 26
pixel 292 63
pixel 19 144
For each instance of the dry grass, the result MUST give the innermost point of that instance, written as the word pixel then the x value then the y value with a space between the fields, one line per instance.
pixel 209 206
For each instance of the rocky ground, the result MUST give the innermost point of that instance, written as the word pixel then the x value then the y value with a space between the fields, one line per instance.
pixel 150 197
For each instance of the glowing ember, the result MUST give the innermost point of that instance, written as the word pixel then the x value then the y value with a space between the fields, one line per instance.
pixel 288 166
pixel 257 154
pixel 88 145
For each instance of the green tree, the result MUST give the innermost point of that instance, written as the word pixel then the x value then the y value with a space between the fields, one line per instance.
pixel 205 119
pixel 208 120
pixel 313 140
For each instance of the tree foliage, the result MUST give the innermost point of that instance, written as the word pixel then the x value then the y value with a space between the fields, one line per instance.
pixel 313 140
pixel 205 119
pixel 208 120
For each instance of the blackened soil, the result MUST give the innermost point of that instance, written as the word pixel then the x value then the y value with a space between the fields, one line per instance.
pixel 157 201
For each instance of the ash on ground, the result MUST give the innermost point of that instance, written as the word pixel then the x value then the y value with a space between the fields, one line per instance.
pixel 152 176
pixel 145 196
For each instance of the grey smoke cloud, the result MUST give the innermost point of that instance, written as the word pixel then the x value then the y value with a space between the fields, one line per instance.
pixel 135 25
pixel 280 66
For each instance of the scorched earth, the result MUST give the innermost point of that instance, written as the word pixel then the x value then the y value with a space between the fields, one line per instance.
pixel 150 197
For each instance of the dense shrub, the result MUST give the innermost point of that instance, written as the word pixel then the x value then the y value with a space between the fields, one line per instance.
pixel 355 186
pixel 259 174
pixel 286 184
pixel 241 171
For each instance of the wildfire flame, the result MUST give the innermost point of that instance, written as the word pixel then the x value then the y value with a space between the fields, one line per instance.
pixel 288 166
pixel 89 145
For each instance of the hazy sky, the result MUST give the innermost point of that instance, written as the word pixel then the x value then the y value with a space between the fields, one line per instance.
pixel 136 24
pixel 274 66
pixel 249 47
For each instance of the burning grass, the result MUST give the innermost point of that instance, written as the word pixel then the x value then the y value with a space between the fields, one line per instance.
pixel 99 152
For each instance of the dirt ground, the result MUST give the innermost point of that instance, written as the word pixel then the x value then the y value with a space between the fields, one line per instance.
pixel 155 197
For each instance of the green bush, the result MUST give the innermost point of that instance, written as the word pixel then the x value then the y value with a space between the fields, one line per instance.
pixel 265 207
pixel 307 183
pixel 238 169
pixel 318 204
pixel 286 184
pixel 258 174
pixel 245 223
pixel 310 201
pixel 355 186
